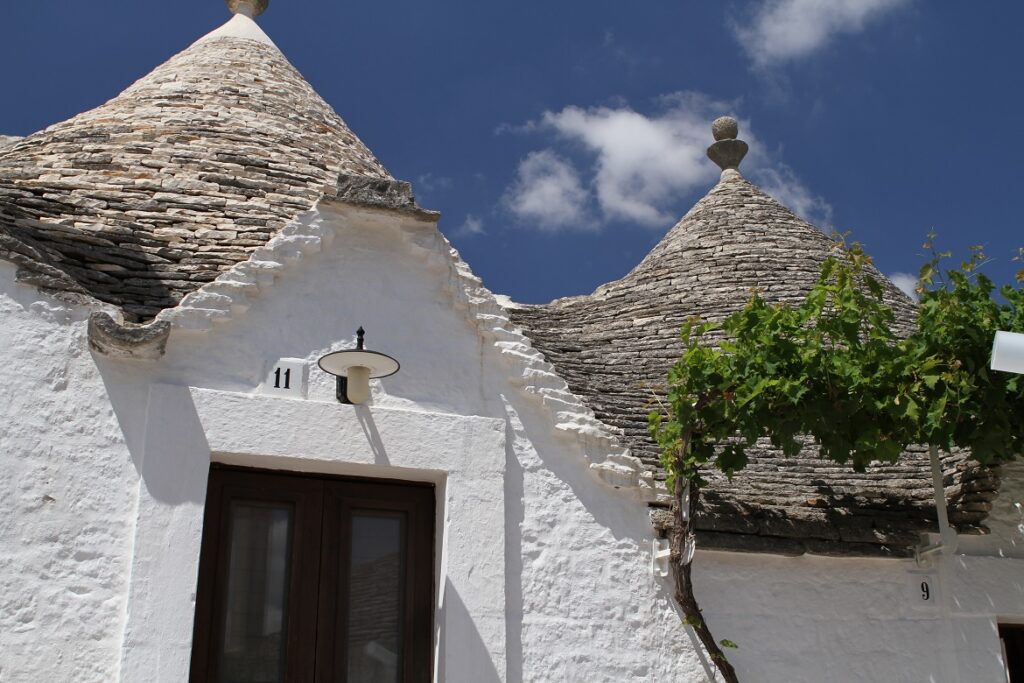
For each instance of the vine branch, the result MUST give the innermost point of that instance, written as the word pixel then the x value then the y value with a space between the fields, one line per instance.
pixel 680 542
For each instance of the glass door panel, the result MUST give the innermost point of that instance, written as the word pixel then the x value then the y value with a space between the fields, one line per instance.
pixel 376 597
pixel 256 596
pixel 261 536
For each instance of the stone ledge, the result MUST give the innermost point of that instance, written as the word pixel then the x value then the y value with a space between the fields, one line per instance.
pixel 127 340
pixel 379 193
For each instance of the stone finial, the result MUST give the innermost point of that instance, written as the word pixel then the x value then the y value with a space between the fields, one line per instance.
pixel 250 8
pixel 725 128
pixel 726 151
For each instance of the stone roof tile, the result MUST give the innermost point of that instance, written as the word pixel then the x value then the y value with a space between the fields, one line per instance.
pixel 184 174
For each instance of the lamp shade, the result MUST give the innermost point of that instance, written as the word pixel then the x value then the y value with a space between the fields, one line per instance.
pixel 339 362
pixel 1008 352
pixel 355 368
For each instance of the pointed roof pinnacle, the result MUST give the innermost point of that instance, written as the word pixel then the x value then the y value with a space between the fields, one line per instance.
pixel 250 8
pixel 726 151
pixel 242 25
pixel 229 101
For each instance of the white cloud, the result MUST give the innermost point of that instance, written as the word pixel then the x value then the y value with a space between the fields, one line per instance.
pixel 782 30
pixel 548 193
pixel 644 166
pixel 644 163
pixel 506 128
pixel 470 227
pixel 428 182
pixel 906 282
pixel 783 184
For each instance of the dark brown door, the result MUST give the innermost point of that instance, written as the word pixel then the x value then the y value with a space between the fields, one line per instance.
pixel 314 579
pixel 1012 636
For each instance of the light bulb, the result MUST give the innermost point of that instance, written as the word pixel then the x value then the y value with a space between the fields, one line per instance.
pixel 358 390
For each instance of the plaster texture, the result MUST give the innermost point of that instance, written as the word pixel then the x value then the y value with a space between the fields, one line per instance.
pixel 66 527
pixel 860 620
pixel 542 563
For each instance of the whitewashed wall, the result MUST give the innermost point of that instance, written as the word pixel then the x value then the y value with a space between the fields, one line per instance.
pixel 859 620
pixel 543 570
pixel 66 494
pixel 1007 517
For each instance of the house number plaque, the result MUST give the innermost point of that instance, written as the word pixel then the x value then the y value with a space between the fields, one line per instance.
pixel 924 590
pixel 287 377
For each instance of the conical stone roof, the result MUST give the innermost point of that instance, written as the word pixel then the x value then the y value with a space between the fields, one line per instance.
pixel 614 348
pixel 184 174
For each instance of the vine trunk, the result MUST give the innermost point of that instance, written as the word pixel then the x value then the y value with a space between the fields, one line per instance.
pixel 682 530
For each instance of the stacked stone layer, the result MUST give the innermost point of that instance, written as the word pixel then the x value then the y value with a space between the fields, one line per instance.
pixel 146 198
pixel 615 346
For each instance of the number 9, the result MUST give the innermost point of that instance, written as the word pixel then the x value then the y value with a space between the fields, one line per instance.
pixel 926 591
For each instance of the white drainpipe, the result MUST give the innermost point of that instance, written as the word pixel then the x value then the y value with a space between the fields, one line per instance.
pixel 948 538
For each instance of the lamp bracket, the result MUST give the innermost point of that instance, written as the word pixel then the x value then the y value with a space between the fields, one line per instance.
pixel 341 390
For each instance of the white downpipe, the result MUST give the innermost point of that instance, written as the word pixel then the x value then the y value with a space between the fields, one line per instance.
pixel 948 538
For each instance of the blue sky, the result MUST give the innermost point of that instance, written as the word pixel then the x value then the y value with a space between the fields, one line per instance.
pixel 561 140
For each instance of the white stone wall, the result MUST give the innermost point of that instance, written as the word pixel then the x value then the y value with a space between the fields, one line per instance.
pixel 543 568
pixel 66 494
pixel 860 620
pixel 585 606
pixel 1006 521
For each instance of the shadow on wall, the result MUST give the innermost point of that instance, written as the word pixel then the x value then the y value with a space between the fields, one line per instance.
pixel 365 417
pixel 170 454
pixel 623 517
pixel 460 636
pixel 515 513
pixel 568 513
pixel 1006 521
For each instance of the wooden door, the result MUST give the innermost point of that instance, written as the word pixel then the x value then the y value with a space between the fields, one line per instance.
pixel 314 580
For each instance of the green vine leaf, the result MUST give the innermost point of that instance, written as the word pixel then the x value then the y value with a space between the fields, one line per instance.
pixel 833 370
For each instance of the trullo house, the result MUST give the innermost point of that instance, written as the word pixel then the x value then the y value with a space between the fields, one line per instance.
pixel 187 495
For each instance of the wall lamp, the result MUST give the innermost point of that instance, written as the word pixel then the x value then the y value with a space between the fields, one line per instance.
pixel 355 368
pixel 1008 352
